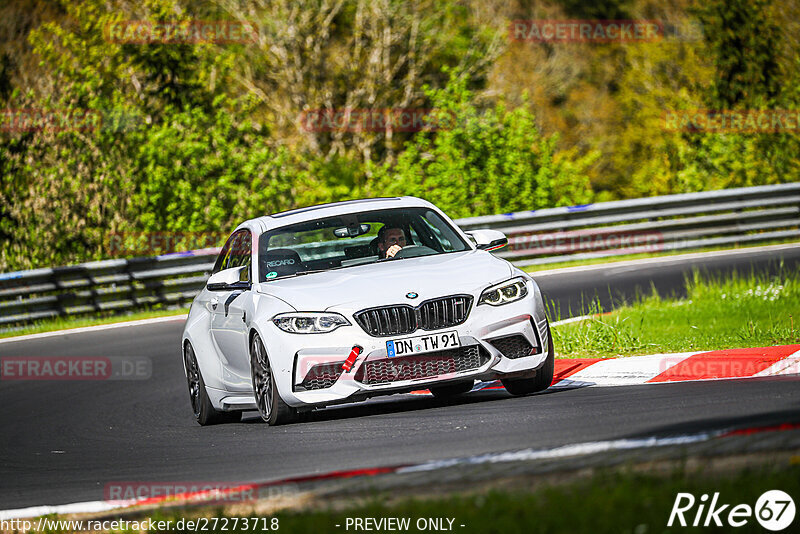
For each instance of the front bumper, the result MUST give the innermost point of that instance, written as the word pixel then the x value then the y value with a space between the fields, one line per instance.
pixel 495 339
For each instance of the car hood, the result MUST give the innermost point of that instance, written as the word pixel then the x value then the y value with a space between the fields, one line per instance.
pixel 354 288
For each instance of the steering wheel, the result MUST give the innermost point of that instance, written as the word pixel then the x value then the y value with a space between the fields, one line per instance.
pixel 413 251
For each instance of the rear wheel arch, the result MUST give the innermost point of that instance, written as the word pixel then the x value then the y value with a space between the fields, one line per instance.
pixel 204 411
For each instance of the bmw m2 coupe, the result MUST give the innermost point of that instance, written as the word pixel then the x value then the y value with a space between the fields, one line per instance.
pixel 341 302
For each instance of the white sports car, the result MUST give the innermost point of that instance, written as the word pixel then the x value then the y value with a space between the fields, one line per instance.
pixel 345 301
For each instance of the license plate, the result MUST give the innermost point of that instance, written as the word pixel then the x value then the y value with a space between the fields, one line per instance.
pixel 422 344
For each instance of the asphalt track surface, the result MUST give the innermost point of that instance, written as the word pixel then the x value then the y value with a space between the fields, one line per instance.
pixel 62 442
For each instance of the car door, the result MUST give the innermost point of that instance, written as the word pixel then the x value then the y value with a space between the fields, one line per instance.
pixel 229 316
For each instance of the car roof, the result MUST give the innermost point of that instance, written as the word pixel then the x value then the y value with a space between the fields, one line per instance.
pixel 284 218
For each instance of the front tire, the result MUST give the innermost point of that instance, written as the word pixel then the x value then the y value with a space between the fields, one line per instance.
pixel 270 404
pixel 543 378
pixel 204 412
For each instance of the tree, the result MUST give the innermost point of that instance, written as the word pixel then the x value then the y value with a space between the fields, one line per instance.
pixel 355 54
pixel 480 162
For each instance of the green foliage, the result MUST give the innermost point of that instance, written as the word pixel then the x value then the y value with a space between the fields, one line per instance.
pixel 206 173
pixel 745 43
pixel 479 162
pixel 197 137
pixel 180 156
pixel 718 161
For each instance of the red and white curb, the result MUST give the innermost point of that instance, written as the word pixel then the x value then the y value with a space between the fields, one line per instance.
pixel 679 367
pixel 674 367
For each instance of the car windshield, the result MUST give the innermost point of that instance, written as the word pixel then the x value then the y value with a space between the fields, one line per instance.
pixel 354 239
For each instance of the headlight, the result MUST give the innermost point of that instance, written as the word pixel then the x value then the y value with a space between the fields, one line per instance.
pixel 504 293
pixel 309 322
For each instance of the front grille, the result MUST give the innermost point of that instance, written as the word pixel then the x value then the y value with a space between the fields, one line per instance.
pixel 421 366
pixel 403 319
pixel 322 376
pixel 444 312
pixel 388 320
pixel 513 347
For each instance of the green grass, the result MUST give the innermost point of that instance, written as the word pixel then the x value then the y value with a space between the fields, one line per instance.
pixel 748 311
pixel 64 323
pixel 645 255
pixel 611 501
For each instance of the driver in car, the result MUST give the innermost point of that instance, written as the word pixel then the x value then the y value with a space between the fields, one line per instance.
pixel 390 241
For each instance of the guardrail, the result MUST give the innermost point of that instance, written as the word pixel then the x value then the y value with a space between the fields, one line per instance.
pixel 655 224
pixel 100 286
pixel 674 222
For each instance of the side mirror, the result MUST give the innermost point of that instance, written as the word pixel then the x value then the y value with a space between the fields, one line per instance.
pixel 229 279
pixel 488 239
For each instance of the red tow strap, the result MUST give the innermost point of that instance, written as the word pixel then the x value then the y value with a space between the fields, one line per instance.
pixel 351 359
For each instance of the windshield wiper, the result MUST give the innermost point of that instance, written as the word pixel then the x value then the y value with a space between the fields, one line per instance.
pixel 299 273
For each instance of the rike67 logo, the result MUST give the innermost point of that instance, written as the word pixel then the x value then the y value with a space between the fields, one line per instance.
pixel 774 510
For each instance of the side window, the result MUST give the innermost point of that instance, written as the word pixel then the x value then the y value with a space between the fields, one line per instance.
pixel 235 253
pixel 223 255
pixel 413 238
pixel 241 252
pixel 444 241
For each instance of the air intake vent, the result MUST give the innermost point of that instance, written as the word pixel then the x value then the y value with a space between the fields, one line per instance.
pixel 321 376
pixel 388 370
pixel 514 347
